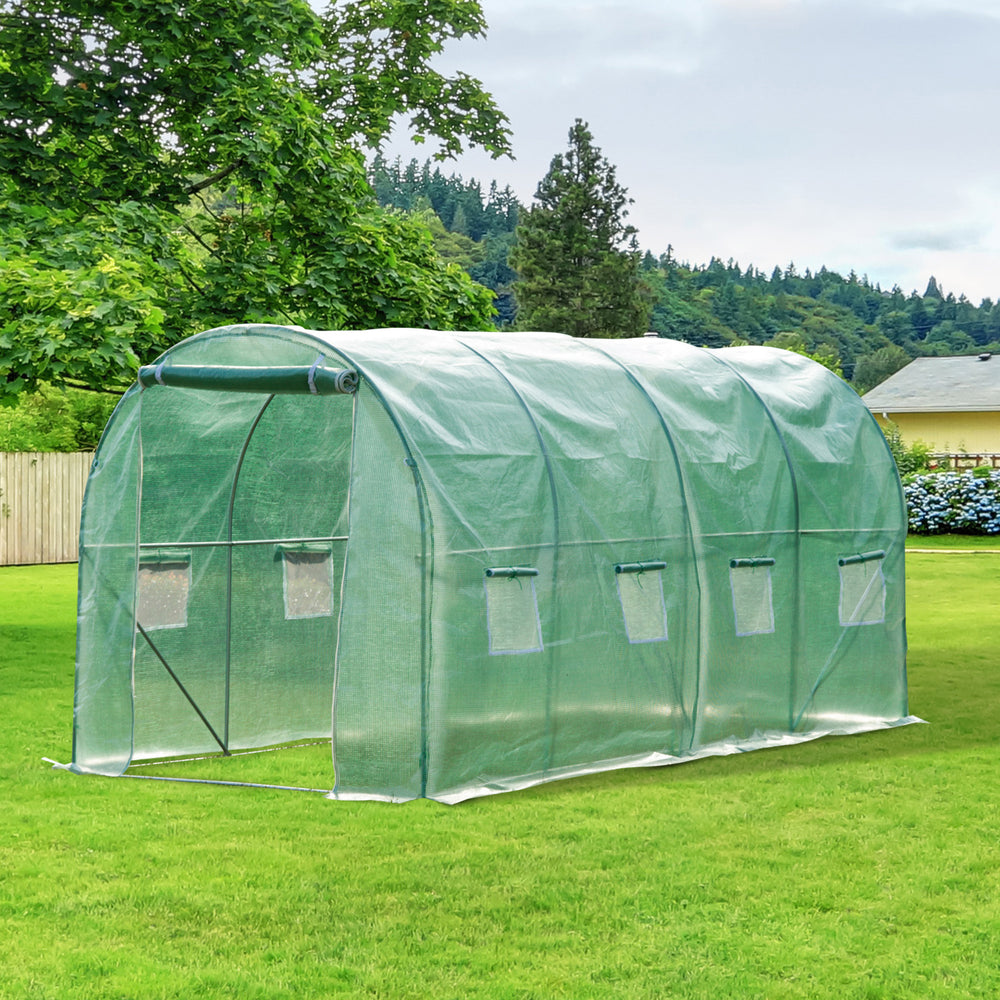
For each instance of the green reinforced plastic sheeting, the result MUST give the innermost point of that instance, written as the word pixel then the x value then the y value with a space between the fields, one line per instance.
pixel 478 561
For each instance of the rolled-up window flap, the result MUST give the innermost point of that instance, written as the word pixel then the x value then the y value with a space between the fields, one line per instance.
pixel 511 571
pixel 861 557
pixel 639 567
pixel 759 561
pixel 302 380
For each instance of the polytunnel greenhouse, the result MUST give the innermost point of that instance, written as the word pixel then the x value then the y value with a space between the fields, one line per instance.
pixel 474 562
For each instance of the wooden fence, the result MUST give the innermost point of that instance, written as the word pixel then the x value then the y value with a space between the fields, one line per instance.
pixel 963 460
pixel 41 495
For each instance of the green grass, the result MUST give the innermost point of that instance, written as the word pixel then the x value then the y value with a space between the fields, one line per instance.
pixel 858 867
pixel 973 542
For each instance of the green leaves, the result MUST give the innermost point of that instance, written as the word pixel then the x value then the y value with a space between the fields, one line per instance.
pixel 129 99
pixel 171 167
pixel 378 67
pixel 77 305
pixel 54 420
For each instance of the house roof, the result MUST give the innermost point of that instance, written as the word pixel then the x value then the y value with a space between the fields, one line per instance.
pixel 940 385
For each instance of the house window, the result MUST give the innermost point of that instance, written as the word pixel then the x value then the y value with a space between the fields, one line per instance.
pixel 164 583
pixel 753 606
pixel 640 591
pixel 512 610
pixel 862 589
pixel 308 583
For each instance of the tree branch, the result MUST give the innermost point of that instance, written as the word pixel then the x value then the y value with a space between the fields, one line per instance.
pixel 187 277
pixel 73 383
pixel 191 231
pixel 219 175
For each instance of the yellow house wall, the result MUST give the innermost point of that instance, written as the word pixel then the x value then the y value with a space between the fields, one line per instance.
pixel 975 433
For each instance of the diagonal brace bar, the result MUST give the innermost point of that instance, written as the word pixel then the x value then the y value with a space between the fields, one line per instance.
pixel 184 691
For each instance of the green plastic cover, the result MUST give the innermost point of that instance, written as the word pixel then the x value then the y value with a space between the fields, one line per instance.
pixel 503 558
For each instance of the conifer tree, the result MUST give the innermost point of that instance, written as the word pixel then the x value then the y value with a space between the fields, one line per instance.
pixel 576 257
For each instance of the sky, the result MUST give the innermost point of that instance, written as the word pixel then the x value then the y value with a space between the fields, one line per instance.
pixel 855 134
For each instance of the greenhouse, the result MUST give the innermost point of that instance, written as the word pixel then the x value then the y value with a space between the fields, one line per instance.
pixel 473 562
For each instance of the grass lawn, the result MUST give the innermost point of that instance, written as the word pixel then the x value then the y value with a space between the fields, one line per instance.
pixel 857 867
pixel 989 543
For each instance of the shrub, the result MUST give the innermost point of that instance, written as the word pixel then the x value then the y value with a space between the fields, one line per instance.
pixel 55 420
pixel 954 502
pixel 916 458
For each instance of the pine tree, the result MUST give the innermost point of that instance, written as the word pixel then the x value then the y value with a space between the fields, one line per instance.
pixel 577 259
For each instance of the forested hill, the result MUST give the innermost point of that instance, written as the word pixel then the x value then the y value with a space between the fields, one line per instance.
pixel 870 331
pixel 873 332
pixel 472 227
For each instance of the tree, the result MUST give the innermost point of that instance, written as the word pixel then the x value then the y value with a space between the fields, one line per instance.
pixel 825 354
pixel 495 273
pixel 947 339
pixel 451 245
pixel 197 162
pixel 897 326
pixel 54 420
pixel 577 259
pixel 874 368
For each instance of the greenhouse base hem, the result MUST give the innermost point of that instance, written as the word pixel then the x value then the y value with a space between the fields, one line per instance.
pixel 759 741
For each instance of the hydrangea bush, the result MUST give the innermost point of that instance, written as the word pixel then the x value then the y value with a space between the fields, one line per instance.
pixel 954 502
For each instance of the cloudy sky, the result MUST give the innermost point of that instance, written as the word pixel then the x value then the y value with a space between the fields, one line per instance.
pixel 852 133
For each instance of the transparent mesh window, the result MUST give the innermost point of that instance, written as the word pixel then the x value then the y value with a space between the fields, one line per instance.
pixel 753 608
pixel 512 611
pixel 164 585
pixel 640 590
pixel 862 589
pixel 308 583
